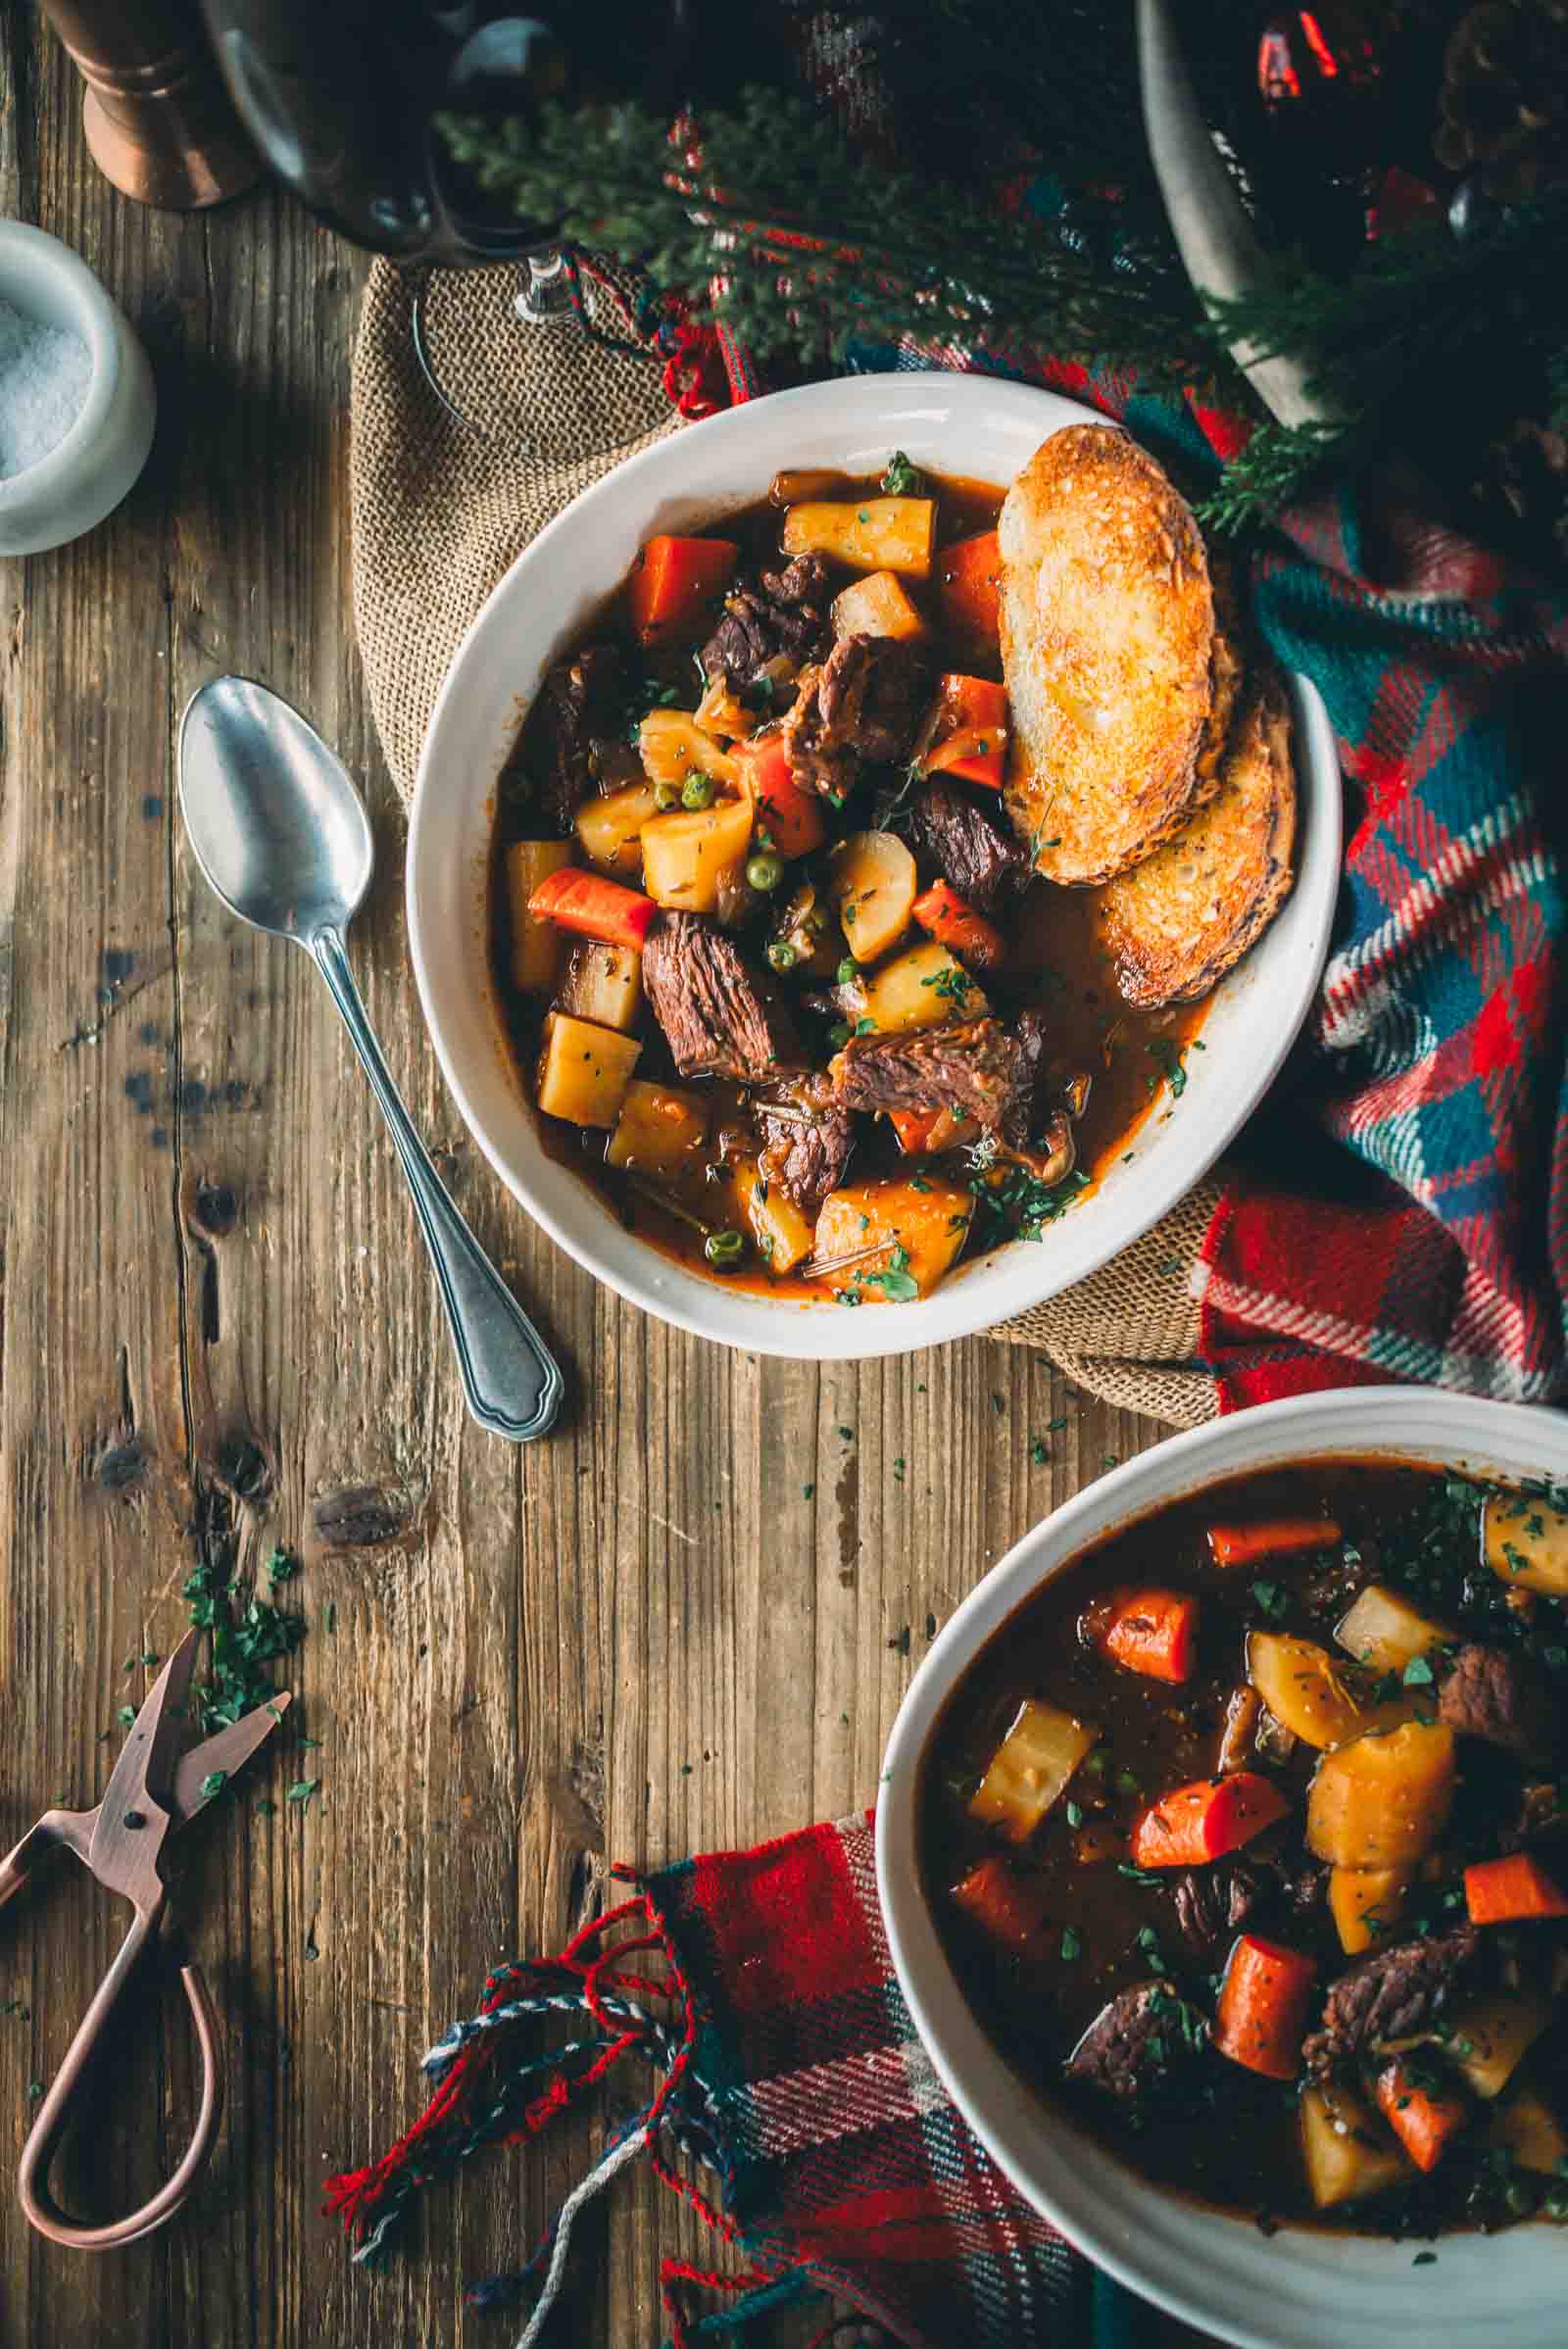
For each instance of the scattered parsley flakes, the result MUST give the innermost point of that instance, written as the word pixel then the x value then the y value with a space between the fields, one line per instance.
pixel 1417 1673
pixel 213 1784
pixel 302 1790
pixel 1271 1598
pixel 1038 1451
pixel 1169 1058
pixel 900 478
pixel 1071 1944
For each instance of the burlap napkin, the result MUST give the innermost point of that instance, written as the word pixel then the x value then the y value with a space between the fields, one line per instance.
pixel 440 511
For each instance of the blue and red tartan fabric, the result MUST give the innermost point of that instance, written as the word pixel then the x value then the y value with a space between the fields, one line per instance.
pixel 1400 1209
pixel 790 2079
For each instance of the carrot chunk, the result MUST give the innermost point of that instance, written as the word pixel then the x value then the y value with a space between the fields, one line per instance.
pixel 1261 2013
pixel 593 906
pixel 1499 1891
pixel 1422 2119
pixel 1151 1631
pixel 971 731
pixel 791 816
pixel 969 580
pixel 1001 1903
pixel 942 913
pixel 671 582
pixel 1203 1821
pixel 1246 1545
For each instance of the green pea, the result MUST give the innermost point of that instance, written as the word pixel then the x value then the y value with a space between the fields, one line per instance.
pixel 666 796
pixel 782 955
pixel 765 872
pixel 697 791
pixel 723 1249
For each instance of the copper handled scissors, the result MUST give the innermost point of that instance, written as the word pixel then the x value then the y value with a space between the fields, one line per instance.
pixel 153 1792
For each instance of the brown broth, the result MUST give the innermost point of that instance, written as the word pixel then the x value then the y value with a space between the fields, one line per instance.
pixel 1057 957
pixel 1235 2141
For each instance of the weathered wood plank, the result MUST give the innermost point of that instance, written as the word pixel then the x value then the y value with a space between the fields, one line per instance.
pixel 686 1622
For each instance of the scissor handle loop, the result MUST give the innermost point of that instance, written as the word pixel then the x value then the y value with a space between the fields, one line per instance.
pixel 32 2176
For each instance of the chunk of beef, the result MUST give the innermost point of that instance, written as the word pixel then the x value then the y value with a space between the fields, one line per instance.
pixel 1213 1902
pixel 1541 1815
pixel 722 1019
pixel 1140 2042
pixel 1393 1994
pixel 556 753
pixel 783 617
pixel 1488 1694
pixel 978 856
pixel 861 704
pixel 975 1069
pixel 807 1141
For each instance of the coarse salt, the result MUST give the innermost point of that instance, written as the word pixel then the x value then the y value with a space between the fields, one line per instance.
pixel 45 374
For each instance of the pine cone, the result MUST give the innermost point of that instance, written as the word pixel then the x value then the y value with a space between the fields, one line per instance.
pixel 1504 106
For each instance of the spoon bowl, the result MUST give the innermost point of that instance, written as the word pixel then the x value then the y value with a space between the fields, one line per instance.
pixel 281 834
pixel 272 815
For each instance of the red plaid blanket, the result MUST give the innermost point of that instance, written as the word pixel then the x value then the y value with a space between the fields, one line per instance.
pixel 789 2077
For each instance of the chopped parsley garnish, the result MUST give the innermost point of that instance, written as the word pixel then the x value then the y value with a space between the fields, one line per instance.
pixel 1271 1598
pixel 1170 1060
pixel 900 478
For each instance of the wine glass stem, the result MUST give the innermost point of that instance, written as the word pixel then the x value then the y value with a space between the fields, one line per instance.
pixel 546 299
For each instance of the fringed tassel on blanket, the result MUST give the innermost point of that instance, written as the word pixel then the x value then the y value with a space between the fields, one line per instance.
pixel 495 2088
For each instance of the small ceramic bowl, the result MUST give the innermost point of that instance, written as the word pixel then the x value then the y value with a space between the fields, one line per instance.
pixel 1303 2287
pixel 85 475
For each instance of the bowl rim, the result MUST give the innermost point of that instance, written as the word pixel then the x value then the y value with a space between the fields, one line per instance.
pixel 1188 2258
pixel 97 324
pixel 806 1330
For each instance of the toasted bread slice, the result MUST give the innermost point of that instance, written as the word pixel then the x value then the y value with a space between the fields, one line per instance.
pixel 1107 641
pixel 1185 916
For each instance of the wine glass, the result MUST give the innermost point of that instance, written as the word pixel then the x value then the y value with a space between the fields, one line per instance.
pixel 344 100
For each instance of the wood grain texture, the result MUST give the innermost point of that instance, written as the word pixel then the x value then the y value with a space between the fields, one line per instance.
pixel 643 1638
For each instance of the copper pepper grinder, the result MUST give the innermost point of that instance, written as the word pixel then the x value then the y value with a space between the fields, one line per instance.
pixel 157 117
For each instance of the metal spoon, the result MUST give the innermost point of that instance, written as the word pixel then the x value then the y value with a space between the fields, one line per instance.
pixel 282 836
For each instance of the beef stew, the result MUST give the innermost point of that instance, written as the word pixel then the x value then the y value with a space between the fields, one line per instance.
pixel 1248 1844
pixel 772 966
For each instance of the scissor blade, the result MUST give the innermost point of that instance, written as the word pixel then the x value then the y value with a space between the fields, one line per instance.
pixel 146 1759
pixel 203 1772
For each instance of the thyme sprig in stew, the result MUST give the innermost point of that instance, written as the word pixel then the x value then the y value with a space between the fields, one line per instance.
pixel 1249 1843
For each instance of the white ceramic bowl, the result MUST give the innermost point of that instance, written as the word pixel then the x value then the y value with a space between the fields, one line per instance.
pixel 1297 2289
pixel 87 472
pixel 964 425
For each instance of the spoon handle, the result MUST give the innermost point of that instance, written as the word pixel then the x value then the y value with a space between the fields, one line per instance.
pixel 512 1384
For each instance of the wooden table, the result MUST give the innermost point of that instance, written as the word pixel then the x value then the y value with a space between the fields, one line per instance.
pixel 684 1622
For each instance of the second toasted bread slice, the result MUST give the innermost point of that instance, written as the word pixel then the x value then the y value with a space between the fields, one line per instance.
pixel 1180 920
pixel 1108 644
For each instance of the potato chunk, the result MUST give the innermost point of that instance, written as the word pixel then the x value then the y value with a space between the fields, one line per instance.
pixel 1383 1801
pixel 1030 1768
pixel 915 1229
pixel 1489 2039
pixel 609 829
pixel 922 988
pixel 659 1131
pixel 673 746
pixel 1348 2151
pixel 1525 2127
pixel 1525 1543
pixel 602 984
pixel 1364 1903
pixel 781 1231
pixel 872 881
pixel 584 1070
pixel 1384 1632
pixel 1304 1687
pixel 868 534
pixel 690 853
pixel 879 606
pixel 538 946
